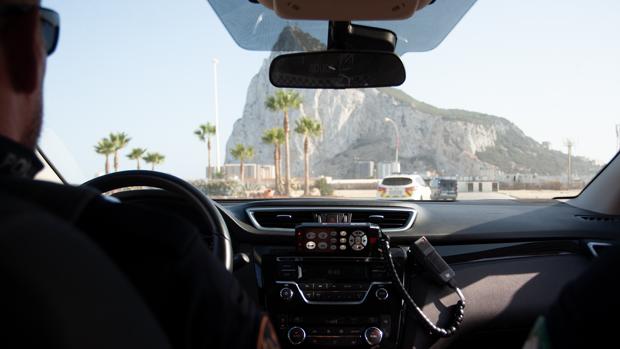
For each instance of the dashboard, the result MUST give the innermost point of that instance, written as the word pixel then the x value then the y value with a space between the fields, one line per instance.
pixel 511 260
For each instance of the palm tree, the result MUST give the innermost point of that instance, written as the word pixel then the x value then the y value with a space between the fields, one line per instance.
pixel 153 159
pixel 105 147
pixel 308 128
pixel 204 133
pixel 275 136
pixel 242 153
pixel 283 101
pixel 120 141
pixel 136 154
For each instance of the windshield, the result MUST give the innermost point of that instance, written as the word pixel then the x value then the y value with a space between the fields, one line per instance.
pixel 517 102
pixel 397 181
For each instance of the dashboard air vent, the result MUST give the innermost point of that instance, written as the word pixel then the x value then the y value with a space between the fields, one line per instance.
pixel 391 219
pixel 385 219
pixel 596 248
pixel 599 218
pixel 282 219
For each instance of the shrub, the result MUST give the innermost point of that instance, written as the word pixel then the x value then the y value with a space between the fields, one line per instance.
pixel 325 188
pixel 219 187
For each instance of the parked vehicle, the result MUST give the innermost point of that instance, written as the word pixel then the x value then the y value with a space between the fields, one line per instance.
pixel 408 187
pixel 444 189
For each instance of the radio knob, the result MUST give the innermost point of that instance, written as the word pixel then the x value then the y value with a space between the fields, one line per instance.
pixel 286 294
pixel 382 294
pixel 373 336
pixel 296 335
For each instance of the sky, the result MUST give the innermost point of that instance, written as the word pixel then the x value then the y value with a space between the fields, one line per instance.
pixel 145 68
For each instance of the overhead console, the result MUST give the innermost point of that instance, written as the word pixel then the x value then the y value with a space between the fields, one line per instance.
pixel 332 288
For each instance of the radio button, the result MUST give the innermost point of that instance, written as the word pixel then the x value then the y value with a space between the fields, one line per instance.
pixel 288 274
pixel 287 266
pixel 357 247
pixel 360 287
pixel 306 286
pixel 296 335
pixel 349 340
pixel 286 294
pixel 320 286
pixel 382 294
pixel 373 336
pixel 358 233
pixel 354 332
pixel 386 325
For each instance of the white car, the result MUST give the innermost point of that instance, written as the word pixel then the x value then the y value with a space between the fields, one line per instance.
pixel 408 187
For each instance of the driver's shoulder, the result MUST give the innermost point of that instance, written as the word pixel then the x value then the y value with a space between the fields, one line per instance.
pixel 64 201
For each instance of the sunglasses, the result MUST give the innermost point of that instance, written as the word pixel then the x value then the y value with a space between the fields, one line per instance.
pixel 50 23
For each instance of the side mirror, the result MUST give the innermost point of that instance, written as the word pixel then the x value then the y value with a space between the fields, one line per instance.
pixel 337 70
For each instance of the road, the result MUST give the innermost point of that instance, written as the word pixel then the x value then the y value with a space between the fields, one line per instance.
pixel 371 194
pixel 484 196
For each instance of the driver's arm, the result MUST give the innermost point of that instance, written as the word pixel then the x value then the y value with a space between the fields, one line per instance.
pixel 198 303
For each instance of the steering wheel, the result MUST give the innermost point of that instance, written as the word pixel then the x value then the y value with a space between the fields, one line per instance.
pixel 222 247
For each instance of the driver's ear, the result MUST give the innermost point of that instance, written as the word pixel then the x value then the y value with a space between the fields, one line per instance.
pixel 23 52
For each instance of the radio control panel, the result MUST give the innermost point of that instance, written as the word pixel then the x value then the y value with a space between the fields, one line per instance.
pixel 332 288
pixel 337 239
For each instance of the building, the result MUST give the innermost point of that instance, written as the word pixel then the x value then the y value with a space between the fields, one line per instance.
pixel 385 169
pixel 251 172
pixel 364 169
pixel 477 186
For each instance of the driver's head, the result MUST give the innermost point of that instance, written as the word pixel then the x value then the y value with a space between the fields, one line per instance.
pixel 25 32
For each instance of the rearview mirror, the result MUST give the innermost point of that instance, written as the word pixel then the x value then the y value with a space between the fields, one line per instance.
pixel 337 69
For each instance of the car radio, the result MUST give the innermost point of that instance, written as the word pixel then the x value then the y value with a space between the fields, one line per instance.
pixel 342 239
pixel 332 288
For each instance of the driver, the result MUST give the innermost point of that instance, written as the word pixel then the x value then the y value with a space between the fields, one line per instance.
pixel 196 301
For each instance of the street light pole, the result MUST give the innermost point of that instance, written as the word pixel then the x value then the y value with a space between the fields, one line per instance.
pixel 569 144
pixel 217 116
pixel 397 136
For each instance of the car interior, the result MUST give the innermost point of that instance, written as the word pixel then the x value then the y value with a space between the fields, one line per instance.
pixel 367 273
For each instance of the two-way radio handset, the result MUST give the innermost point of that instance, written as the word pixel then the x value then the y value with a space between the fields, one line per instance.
pixel 430 260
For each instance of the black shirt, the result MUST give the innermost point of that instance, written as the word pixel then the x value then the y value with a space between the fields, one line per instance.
pixel 197 302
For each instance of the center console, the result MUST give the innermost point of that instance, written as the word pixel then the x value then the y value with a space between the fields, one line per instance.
pixel 332 288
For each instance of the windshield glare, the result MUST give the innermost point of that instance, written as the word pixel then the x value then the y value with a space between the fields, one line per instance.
pixel 526 110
